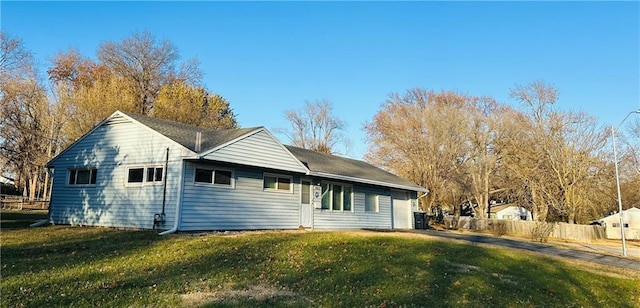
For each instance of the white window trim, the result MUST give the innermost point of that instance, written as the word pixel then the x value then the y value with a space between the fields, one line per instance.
pixel 276 175
pixel 376 198
pixel 68 176
pixel 213 176
pixel 145 169
pixel 330 191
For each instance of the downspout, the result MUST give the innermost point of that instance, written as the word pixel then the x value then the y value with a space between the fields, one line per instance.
pixel 418 199
pixel 160 218
pixel 178 203
pixel 164 189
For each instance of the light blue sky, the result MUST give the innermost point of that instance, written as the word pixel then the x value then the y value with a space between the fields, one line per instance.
pixel 268 57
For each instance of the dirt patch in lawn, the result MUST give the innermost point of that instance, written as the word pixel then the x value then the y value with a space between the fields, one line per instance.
pixel 259 294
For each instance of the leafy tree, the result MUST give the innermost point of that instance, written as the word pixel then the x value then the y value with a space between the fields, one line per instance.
pixel 314 127
pixel 183 103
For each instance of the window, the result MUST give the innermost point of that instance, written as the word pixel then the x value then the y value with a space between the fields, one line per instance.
pixel 141 175
pixel 337 197
pixel 371 203
pixel 83 176
pixel 305 193
pixel 136 175
pixel 154 174
pixel 217 177
pixel 277 182
pixel 222 177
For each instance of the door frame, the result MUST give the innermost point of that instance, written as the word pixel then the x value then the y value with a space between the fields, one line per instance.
pixel 407 203
pixel 306 208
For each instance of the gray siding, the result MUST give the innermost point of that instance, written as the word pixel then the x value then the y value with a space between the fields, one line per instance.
pixel 111 148
pixel 259 150
pixel 326 219
pixel 247 206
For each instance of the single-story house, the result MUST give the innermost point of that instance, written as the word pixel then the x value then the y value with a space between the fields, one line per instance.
pixel 142 172
pixel 509 212
pixel 631 220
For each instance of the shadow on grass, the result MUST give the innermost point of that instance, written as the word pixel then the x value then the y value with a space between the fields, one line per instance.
pixel 131 268
pixel 13 219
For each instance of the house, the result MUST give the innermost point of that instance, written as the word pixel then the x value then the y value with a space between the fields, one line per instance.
pixel 141 172
pixel 509 212
pixel 631 219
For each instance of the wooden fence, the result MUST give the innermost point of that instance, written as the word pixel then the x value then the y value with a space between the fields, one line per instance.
pixel 22 203
pixel 579 233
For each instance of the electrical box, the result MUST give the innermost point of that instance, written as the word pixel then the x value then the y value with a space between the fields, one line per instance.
pixel 317 196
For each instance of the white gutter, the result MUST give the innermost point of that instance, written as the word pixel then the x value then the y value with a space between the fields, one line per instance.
pixel 178 203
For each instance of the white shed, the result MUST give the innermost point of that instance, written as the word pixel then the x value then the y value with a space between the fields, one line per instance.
pixel 631 224
pixel 509 212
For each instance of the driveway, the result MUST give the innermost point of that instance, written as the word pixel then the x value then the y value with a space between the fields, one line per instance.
pixel 577 253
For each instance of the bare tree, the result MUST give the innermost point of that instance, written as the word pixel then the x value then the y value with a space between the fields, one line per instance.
pixel 314 127
pixel 149 63
pixel 562 157
pixel 16 62
pixel 422 135
pixel 25 131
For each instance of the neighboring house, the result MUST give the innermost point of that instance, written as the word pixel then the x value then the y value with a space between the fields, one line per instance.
pixel 141 172
pixel 509 211
pixel 631 219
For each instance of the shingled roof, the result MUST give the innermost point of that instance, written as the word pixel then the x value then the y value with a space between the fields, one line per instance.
pixel 186 134
pixel 318 164
pixel 324 164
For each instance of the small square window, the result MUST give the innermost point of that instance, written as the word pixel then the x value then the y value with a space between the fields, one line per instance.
pixel 222 177
pixel 203 175
pixel 284 184
pixel 154 174
pixel 136 175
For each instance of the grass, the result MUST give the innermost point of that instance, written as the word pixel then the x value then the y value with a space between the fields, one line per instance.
pixel 84 266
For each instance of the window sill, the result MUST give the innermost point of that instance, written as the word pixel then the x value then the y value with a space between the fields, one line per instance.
pixel 211 185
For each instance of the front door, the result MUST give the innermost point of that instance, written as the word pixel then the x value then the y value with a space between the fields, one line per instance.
pixel 306 204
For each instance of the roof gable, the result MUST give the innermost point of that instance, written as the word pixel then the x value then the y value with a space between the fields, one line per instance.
pixel 332 166
pixel 257 148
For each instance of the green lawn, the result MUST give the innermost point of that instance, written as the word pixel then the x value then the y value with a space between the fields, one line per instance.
pixel 83 266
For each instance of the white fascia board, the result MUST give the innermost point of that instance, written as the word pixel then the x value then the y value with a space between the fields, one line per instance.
pixel 365 181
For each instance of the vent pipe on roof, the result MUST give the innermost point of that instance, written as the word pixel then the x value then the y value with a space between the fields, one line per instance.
pixel 198 141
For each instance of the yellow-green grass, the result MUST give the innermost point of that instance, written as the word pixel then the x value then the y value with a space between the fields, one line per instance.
pixel 85 266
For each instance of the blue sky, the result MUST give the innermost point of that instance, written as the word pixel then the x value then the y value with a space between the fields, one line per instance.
pixel 268 57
